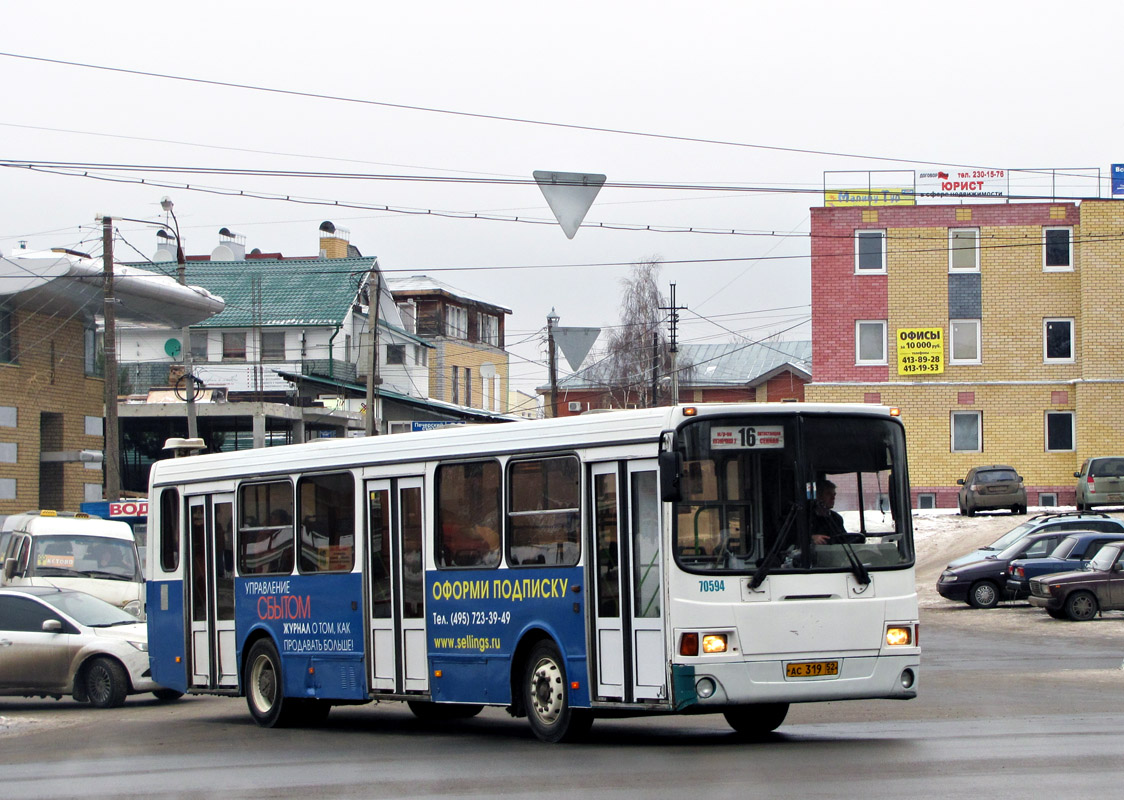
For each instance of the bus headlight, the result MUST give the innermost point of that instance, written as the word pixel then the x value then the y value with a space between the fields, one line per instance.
pixel 899 635
pixel 714 643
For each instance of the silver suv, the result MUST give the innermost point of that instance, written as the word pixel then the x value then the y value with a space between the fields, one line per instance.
pixel 991 487
pixel 1100 482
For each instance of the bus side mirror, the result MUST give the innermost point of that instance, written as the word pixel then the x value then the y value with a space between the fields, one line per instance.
pixel 671 471
pixel 9 569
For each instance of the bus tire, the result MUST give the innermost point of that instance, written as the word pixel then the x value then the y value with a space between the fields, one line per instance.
pixel 757 719
pixel 546 697
pixel 265 689
pixel 442 712
pixel 107 683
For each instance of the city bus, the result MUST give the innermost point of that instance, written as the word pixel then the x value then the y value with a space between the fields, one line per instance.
pixel 654 561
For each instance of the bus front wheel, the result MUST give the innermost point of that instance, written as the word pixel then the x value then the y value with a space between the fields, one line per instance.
pixel 547 698
pixel 264 689
pixel 758 719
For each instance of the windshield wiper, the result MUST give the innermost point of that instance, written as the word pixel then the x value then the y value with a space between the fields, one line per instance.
pixel 772 558
pixel 113 576
pixel 115 624
pixel 861 575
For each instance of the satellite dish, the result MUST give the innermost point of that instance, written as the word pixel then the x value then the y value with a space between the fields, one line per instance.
pixel 488 370
pixel 173 347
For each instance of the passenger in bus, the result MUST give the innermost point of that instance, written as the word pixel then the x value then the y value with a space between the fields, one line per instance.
pixel 827 523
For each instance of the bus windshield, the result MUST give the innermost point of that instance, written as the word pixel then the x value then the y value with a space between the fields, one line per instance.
pixel 792 493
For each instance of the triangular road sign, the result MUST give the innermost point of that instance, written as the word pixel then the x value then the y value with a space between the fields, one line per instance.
pixel 575 343
pixel 569 195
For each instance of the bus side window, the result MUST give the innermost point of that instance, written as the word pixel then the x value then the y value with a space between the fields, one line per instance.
pixel 327 529
pixel 544 514
pixel 265 549
pixel 467 529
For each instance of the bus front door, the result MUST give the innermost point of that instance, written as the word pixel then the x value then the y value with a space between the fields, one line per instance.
pixel 629 640
pixel 397 586
pixel 210 589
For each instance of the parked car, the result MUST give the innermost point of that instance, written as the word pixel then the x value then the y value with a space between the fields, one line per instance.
pixel 1073 553
pixel 1100 482
pixel 56 642
pixel 991 487
pixel 982 584
pixel 1079 596
pixel 1065 521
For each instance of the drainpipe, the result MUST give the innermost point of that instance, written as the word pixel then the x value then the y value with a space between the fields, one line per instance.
pixel 331 360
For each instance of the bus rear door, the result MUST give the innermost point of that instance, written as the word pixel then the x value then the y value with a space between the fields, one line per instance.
pixel 397 585
pixel 628 645
pixel 209 585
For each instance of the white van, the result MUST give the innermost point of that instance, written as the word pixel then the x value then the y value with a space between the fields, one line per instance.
pixel 74 551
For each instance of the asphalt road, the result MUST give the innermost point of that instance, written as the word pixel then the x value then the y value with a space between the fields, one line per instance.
pixel 1002 711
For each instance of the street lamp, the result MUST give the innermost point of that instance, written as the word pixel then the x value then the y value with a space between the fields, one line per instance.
pixel 552 319
pixel 181 274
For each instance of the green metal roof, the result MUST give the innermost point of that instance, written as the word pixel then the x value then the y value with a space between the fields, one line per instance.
pixel 294 291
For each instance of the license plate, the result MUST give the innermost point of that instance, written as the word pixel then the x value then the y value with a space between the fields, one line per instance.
pixel 1114 497
pixel 811 669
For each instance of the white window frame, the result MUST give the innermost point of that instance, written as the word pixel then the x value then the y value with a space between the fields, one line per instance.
pixel 1072 341
pixel 952 431
pixel 1057 268
pixel 1072 431
pixel 490 329
pixel 952 339
pixel 952 232
pixel 859 360
pixel 456 322
pixel 859 233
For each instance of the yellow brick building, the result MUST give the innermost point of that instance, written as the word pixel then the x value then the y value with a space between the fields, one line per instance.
pixel 1016 309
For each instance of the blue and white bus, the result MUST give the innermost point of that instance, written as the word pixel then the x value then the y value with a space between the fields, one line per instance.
pixel 659 561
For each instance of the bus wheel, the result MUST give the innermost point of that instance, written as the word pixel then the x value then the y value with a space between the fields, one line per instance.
pixel 441 712
pixel 758 719
pixel 264 689
pixel 546 697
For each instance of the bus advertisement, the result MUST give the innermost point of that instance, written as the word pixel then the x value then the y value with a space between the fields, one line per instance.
pixel 730 559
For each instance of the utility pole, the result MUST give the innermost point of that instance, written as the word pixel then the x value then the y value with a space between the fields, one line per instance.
pixel 373 377
pixel 552 320
pixel 674 319
pixel 111 461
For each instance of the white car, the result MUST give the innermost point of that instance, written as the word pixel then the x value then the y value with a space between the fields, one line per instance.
pixel 56 642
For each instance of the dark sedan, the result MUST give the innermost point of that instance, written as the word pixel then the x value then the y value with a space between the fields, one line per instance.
pixel 982 584
pixel 1079 596
pixel 1074 552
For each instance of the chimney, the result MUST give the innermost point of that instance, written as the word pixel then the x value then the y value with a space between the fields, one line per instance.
pixel 333 241
pixel 232 246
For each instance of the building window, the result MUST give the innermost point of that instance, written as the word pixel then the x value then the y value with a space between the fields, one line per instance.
pixel 1057 340
pixel 1057 247
pixel 456 398
pixel 490 329
pixel 467 386
pixel 7 488
pixel 409 314
pixel 9 416
pixel 1047 499
pixel 421 356
pixel 870 342
pixel 965 341
pixel 926 500
pixel 7 342
pixel 9 453
pixel 456 322
pixel 870 252
pixel 93 426
pixel 964 250
pixel 89 351
pixel 1059 431
pixel 396 354
pixel 273 345
pixel 967 429
pixel 198 345
pixel 234 346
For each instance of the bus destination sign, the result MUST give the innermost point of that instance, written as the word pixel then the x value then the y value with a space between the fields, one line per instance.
pixel 747 437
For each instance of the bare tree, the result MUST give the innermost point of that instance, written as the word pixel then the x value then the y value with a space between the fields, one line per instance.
pixel 637 353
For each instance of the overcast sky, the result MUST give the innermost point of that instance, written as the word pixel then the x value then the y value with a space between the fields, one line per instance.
pixel 729 95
